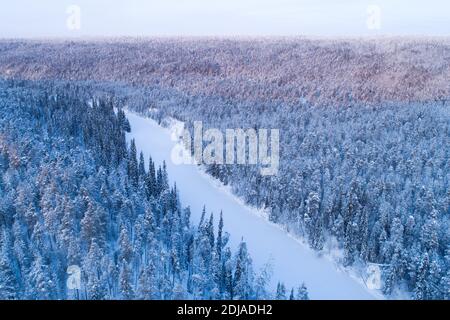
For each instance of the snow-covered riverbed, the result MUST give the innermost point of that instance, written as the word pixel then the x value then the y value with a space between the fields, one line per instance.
pixel 293 262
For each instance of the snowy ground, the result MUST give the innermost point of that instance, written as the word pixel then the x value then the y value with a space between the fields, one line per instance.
pixel 293 262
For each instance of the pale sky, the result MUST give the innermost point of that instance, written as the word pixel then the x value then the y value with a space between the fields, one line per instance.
pixel 81 18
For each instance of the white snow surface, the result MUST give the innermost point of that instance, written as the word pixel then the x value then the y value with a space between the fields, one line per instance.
pixel 293 261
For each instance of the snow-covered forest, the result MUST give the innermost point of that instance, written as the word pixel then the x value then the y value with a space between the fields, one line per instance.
pixel 73 193
pixel 292 260
pixel 364 159
pixel 262 70
pixel 375 178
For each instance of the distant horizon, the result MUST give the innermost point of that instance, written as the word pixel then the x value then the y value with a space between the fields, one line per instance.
pixel 29 19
